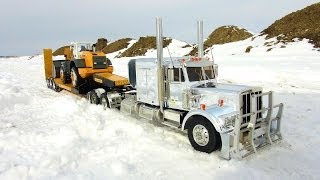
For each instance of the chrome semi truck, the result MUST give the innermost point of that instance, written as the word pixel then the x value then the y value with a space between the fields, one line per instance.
pixel 183 93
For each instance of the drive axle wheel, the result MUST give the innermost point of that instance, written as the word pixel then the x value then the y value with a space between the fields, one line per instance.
pixel 202 135
pixel 93 97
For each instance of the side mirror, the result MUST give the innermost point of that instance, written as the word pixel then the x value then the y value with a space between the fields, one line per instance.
pixel 215 70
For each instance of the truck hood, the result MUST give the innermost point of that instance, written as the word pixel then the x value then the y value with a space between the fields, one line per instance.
pixel 224 89
pixel 229 93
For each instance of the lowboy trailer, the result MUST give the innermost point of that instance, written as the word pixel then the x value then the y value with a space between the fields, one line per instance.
pixel 183 93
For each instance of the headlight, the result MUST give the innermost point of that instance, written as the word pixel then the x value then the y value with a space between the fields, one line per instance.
pixel 229 119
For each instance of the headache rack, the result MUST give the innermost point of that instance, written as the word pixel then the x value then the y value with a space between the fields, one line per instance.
pixel 256 126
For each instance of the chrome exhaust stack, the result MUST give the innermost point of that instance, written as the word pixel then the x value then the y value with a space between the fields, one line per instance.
pixel 159 63
pixel 200 38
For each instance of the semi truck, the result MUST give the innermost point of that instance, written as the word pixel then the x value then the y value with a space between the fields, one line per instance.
pixel 183 93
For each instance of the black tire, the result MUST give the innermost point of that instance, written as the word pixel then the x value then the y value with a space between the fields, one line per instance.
pixel 64 75
pixel 212 136
pixel 55 71
pixel 54 86
pixel 93 97
pixel 104 101
pixel 51 81
pixel 75 77
pixel 48 83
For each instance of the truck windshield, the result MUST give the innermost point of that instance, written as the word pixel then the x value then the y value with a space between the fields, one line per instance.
pixel 195 73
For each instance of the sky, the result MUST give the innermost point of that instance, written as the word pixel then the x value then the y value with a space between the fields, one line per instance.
pixel 26 27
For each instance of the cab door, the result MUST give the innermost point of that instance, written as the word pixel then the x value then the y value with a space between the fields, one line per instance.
pixel 176 88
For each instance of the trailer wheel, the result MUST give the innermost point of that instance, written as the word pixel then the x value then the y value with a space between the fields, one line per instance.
pixel 48 81
pixel 75 77
pixel 63 75
pixel 104 101
pixel 54 86
pixel 51 82
pixel 203 136
pixel 93 97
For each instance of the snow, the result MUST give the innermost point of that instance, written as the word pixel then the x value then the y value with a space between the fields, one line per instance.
pixel 49 135
pixel 118 53
pixel 175 49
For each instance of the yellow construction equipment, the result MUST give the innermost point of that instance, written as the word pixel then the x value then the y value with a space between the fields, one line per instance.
pixel 82 70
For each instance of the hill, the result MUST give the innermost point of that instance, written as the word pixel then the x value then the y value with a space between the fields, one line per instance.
pixel 116 45
pixel 224 34
pixel 143 45
pixel 304 23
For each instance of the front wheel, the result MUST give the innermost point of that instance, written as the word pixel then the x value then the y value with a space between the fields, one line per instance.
pixel 75 77
pixel 203 136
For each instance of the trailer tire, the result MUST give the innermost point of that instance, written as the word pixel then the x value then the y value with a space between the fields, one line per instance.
pixel 48 81
pixel 202 135
pixel 51 82
pixel 104 101
pixel 75 77
pixel 93 97
pixel 54 86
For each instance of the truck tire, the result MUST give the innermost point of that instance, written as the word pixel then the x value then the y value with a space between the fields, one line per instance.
pixel 64 75
pixel 104 101
pixel 203 136
pixel 93 97
pixel 75 77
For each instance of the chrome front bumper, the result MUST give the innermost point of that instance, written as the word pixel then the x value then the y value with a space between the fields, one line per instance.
pixel 247 137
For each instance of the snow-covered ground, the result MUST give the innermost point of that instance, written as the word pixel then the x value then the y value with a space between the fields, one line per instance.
pixel 49 135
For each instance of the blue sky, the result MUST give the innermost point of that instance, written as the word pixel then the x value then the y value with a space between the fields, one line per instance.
pixel 26 27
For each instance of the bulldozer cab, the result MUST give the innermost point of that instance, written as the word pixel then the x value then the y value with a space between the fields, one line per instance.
pixel 77 48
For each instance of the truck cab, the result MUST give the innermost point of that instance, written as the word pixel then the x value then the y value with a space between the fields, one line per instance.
pixel 216 116
pixel 183 75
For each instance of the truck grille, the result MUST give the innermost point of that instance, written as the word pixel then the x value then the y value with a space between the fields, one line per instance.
pixel 99 62
pixel 246 105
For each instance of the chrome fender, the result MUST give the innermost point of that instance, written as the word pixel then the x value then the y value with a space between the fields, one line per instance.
pixel 212 114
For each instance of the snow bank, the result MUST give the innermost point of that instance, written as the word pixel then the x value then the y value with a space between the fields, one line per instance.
pixel 49 135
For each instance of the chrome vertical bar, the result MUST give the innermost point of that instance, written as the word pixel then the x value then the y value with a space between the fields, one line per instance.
pixel 200 38
pixel 159 62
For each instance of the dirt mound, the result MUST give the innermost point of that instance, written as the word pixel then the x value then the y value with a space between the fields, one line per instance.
pixel 222 35
pixel 226 34
pixel 59 51
pixel 116 45
pixel 143 45
pixel 301 24
pixel 101 44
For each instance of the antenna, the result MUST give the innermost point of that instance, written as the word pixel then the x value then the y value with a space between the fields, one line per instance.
pixel 170 56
